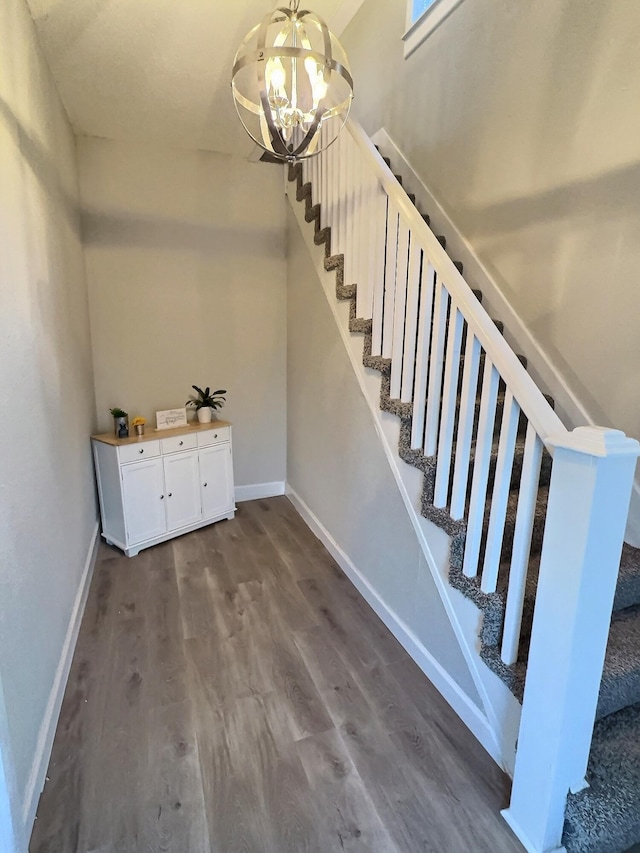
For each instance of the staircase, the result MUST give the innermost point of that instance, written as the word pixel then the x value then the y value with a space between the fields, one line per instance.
pixel 489 447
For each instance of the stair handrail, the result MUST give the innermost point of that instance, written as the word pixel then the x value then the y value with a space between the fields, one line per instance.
pixel 532 401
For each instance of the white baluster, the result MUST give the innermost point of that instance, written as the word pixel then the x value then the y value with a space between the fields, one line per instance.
pixel 321 195
pixel 343 224
pixel 333 192
pixel 527 495
pixel 481 468
pixel 324 187
pixel 336 245
pixel 501 489
pixel 349 273
pixel 360 216
pixel 399 308
pixel 318 166
pixel 367 250
pixel 379 243
pixel 357 223
pixel 411 327
pixel 427 292
pixel 449 400
pixel 465 425
pixel 390 280
pixel 436 362
pixel 313 169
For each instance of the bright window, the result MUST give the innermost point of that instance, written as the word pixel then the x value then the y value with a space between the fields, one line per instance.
pixel 423 16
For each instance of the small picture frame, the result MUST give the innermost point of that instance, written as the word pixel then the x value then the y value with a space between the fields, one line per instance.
pixel 171 418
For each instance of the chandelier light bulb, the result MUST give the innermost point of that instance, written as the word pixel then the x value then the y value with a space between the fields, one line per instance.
pixel 291 80
pixel 278 77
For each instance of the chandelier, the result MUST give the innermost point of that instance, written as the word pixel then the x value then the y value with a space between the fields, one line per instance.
pixel 290 81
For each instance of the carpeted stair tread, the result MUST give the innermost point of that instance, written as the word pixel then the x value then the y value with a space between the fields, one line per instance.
pixel 620 685
pixel 628 588
pixel 605 818
pixel 516 468
pixel 621 677
pixel 510 520
pixel 359 324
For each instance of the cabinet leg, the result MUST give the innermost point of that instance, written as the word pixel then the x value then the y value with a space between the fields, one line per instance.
pixel 132 552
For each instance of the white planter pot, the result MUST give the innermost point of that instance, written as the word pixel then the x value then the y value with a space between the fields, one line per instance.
pixel 204 415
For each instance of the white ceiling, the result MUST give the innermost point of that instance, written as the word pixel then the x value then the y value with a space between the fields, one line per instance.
pixel 158 70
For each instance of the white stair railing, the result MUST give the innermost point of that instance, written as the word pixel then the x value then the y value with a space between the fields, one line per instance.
pixel 471 397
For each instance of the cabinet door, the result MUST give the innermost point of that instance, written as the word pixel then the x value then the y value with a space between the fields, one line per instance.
pixel 183 494
pixel 144 500
pixel 216 480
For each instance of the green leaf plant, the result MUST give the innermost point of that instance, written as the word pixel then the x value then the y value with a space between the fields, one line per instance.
pixel 213 399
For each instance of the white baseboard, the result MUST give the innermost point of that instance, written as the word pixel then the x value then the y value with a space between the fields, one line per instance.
pixel 36 780
pixel 467 710
pixel 259 490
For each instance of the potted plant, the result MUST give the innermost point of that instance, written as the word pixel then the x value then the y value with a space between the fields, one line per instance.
pixel 120 422
pixel 206 402
pixel 138 424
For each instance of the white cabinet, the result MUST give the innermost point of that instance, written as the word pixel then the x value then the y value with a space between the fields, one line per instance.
pixel 216 487
pixel 152 489
pixel 143 493
pixel 183 495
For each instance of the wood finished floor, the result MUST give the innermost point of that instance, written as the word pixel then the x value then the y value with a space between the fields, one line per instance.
pixel 231 691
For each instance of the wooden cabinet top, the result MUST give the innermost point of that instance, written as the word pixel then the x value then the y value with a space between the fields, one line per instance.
pixel 154 434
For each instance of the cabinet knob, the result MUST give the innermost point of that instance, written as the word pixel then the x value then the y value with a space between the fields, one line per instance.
pixel 215 435
pixel 181 443
pixel 161 497
pixel 141 450
pixel 205 485
pixel 170 494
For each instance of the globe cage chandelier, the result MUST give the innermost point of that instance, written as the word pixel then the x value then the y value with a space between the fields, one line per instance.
pixel 291 79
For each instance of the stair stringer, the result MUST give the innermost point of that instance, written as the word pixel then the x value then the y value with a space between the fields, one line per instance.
pixel 496 724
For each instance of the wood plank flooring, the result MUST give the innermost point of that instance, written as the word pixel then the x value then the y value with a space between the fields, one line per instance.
pixel 231 692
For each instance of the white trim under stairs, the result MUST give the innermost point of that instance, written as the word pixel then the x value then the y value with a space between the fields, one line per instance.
pixel 467 710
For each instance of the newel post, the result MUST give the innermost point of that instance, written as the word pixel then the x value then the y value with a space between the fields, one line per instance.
pixel 589 497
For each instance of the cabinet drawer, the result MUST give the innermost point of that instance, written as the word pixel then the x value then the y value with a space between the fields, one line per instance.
pixel 213 436
pixel 141 450
pixel 179 442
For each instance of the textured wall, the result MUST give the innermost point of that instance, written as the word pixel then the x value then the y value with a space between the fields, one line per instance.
pixel 336 464
pixel 186 269
pixel 47 507
pixel 522 119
